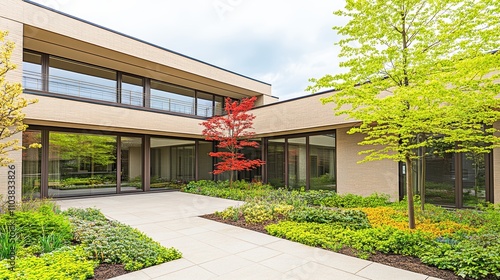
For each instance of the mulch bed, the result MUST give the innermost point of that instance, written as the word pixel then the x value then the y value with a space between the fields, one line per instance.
pixel 107 271
pixel 399 261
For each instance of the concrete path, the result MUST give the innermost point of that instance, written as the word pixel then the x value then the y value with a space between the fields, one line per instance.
pixel 213 250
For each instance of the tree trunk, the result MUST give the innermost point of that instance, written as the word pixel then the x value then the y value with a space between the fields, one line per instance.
pixel 409 193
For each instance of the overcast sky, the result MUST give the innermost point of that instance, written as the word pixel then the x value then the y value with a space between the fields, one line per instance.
pixel 280 42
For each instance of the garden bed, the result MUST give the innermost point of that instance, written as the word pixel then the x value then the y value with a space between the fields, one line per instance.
pixel 448 244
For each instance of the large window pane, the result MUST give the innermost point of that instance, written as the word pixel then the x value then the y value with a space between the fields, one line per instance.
pixel 297 162
pixel 254 175
pixel 31 179
pixel 276 162
pixel 131 164
pixel 440 174
pixel 219 105
pixel 81 80
pixel 322 162
pixel 81 164
pixel 205 162
pixel 132 91
pixel 32 71
pixel 204 104
pixel 172 98
pixel 473 179
pixel 172 162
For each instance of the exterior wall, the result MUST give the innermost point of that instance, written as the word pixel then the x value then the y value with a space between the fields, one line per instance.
pixel 363 178
pixel 76 114
pixel 15 35
pixel 296 116
pixel 496 170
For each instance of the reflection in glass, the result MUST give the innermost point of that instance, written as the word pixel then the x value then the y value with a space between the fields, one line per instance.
pixel 31 179
pixel 171 98
pixel 132 91
pixel 473 179
pixel 322 162
pixel 276 162
pixel 81 164
pixel 81 80
pixel 297 171
pixel 204 104
pixel 32 71
pixel 252 175
pixel 172 162
pixel 440 179
pixel 131 164
pixel 205 162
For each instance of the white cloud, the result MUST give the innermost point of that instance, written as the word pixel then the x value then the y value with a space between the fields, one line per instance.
pixel 279 42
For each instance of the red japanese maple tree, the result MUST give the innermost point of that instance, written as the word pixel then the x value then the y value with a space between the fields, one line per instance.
pixel 231 131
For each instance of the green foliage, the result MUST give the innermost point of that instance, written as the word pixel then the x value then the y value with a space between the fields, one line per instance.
pixel 113 242
pixel 241 190
pixel 477 256
pixel 33 225
pixel 367 240
pixel 88 214
pixel 257 213
pixel 67 263
pixel 353 201
pixel 353 219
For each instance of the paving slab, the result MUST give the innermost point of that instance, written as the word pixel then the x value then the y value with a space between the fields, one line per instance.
pixel 213 250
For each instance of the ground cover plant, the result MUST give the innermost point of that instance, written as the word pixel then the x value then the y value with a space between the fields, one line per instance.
pixel 464 241
pixel 50 244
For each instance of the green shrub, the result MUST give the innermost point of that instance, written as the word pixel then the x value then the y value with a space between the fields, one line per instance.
pixel 88 214
pixel 353 219
pixel 67 263
pixel 32 225
pixel 477 256
pixel 255 213
pixel 113 242
pixel 354 201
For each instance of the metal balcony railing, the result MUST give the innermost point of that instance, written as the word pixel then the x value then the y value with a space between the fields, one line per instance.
pixel 83 89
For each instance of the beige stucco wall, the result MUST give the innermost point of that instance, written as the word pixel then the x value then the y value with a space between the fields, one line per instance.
pixel 76 114
pixel 15 35
pixel 363 178
pixel 296 116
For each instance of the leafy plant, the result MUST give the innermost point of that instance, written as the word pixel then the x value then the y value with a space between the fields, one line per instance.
pixel 353 219
pixel 66 263
pixel 113 242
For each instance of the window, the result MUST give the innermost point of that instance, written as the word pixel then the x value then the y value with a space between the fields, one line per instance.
pixel 32 71
pixel 132 90
pixel 32 168
pixel 204 104
pixel 131 164
pixel 172 98
pixel 81 80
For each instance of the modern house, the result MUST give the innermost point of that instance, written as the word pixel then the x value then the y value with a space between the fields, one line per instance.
pixel 118 115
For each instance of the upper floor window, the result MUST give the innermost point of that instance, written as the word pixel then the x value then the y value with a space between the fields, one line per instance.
pixel 60 76
pixel 172 98
pixel 132 90
pixel 32 71
pixel 81 80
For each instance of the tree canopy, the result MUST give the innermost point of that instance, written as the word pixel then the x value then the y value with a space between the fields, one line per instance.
pixel 232 133
pixel 11 104
pixel 419 73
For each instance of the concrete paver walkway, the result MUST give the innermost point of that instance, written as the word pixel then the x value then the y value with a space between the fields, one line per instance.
pixel 213 250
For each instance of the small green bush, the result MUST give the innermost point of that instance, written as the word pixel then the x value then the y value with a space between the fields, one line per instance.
pixel 66 263
pixel 32 225
pixel 113 242
pixel 353 219
pixel 88 214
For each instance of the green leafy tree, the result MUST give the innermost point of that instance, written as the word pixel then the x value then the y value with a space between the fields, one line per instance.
pixel 88 149
pixel 420 74
pixel 11 104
